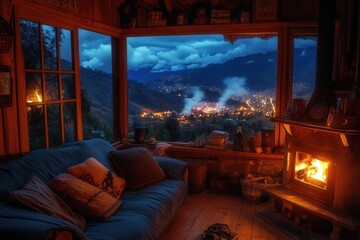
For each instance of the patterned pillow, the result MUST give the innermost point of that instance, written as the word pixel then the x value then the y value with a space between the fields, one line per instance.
pixel 84 198
pixel 93 172
pixel 37 196
pixel 137 166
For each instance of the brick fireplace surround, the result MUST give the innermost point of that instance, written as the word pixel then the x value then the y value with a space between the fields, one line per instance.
pixel 335 206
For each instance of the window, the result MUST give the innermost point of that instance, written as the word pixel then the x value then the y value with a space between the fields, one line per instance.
pixel 304 65
pixel 96 85
pixel 50 84
pixel 56 111
pixel 181 88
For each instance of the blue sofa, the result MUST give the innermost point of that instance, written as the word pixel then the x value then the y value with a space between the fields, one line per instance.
pixel 143 214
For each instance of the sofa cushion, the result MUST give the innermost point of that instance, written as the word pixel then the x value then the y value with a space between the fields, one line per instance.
pixel 137 166
pixel 37 196
pixel 93 172
pixel 88 200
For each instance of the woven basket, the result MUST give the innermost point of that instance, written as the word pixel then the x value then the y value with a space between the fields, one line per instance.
pixel 252 189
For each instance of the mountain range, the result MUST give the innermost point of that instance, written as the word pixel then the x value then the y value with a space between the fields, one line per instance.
pixel 160 91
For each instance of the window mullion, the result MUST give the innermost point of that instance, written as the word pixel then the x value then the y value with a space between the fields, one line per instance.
pixel 43 85
pixel 61 117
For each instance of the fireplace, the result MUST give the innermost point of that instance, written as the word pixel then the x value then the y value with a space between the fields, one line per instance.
pixel 320 181
pixel 323 164
pixel 312 171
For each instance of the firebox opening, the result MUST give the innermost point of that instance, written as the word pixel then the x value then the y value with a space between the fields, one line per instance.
pixel 311 170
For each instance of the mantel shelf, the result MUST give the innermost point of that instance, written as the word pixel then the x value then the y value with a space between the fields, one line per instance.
pixel 270 27
pixel 343 133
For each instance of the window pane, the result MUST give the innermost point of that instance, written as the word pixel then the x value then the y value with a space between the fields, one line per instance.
pixel 304 66
pixel 68 86
pixel 96 85
pixel 181 88
pixel 69 121
pixel 52 87
pixel 54 125
pixel 66 62
pixel 50 48
pixel 36 126
pixel 33 87
pixel 30 43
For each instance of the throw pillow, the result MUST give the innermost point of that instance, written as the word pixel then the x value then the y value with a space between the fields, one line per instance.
pixel 37 196
pixel 137 166
pixel 84 198
pixel 93 172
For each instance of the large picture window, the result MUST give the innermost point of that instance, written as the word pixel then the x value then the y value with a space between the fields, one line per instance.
pixel 181 88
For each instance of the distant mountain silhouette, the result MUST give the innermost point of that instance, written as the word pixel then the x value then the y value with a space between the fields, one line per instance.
pixel 256 68
pixel 143 98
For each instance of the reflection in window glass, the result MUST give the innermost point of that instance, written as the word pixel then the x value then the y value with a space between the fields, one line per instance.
pixel 69 121
pixel 36 126
pixel 96 85
pixel 54 125
pixel 52 87
pixel 66 50
pixel 50 48
pixel 304 66
pixel 33 87
pixel 181 88
pixel 30 41
pixel 68 86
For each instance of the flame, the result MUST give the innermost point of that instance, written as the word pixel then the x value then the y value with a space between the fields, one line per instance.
pixel 35 97
pixel 315 169
pixel 321 170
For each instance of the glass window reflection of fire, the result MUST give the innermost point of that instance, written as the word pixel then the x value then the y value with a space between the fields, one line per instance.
pixel 310 170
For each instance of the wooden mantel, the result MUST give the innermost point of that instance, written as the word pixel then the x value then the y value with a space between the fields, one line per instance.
pixel 344 134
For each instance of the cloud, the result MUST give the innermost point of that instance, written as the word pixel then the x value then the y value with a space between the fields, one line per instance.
pixel 97 58
pixel 95 51
pixel 174 53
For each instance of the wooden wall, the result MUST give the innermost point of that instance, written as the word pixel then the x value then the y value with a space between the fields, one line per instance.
pixel 9 131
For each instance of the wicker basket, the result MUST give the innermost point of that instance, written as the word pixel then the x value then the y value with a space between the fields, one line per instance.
pixel 252 189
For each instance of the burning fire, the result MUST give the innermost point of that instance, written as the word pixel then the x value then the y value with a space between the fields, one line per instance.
pixel 314 169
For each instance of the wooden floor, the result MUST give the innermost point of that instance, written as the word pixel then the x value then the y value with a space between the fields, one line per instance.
pixel 199 211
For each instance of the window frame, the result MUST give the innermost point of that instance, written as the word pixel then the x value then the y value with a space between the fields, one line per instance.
pixel 45 103
pixel 284 31
pixel 72 23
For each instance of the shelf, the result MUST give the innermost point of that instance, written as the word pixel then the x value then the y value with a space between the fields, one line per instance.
pixel 343 133
pixel 271 27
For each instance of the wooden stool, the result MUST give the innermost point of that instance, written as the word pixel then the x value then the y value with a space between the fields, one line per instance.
pixel 197 176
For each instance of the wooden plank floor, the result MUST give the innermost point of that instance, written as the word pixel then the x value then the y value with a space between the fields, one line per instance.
pixel 199 211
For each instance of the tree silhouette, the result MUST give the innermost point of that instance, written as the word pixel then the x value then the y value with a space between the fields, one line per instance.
pixel 172 125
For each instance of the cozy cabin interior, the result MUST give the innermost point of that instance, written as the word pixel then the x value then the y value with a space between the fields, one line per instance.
pixel 325 129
